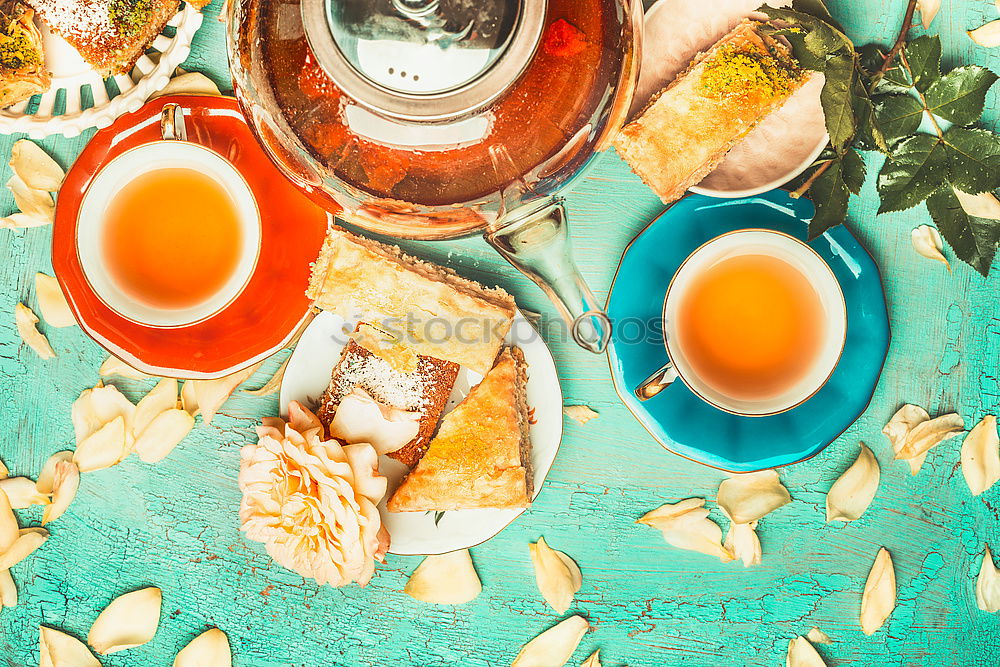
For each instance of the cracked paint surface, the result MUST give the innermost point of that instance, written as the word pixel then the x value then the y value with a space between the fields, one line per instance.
pixel 174 524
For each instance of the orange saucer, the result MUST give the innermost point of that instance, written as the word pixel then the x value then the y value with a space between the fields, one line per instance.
pixel 263 318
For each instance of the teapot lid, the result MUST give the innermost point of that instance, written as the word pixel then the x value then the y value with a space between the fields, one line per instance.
pixel 423 59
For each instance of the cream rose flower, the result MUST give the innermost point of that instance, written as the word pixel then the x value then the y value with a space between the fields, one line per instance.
pixel 312 502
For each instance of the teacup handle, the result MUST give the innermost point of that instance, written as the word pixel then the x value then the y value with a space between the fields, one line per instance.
pixel 172 123
pixel 656 382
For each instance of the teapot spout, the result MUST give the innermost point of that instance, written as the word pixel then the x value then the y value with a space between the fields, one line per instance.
pixel 534 238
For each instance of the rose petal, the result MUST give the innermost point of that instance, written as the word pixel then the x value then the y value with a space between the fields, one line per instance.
pixel 879 597
pixel 686 525
pixel 210 395
pixel 988 585
pixel 46 479
pixel 929 434
pixel 115 366
pixel 557 575
pixel 855 489
pixel 4 472
pixel 987 35
pixel 163 434
pixel 580 413
pixel 928 10
pixel 22 492
pixel 927 242
pixel 743 542
pixel 981 456
pixel 189 400
pixel 8 523
pixel 274 383
pixel 445 579
pixel 26 320
pixel 66 481
pixel 52 302
pixel 160 398
pixel 594 660
pixel 209 649
pixel 22 221
pixel 189 83
pixel 104 448
pixel 97 407
pixel 360 418
pixel 899 428
pixel 34 166
pixel 817 636
pixel 751 496
pixel 555 646
pixel 28 539
pixel 37 204
pixel 983 205
pixel 61 650
pixel 8 591
pixel 129 621
pixel 802 654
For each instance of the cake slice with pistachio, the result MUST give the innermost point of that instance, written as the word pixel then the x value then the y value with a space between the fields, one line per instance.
pixel 22 59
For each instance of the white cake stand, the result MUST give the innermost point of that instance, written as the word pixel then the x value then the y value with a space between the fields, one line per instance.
pixel 60 109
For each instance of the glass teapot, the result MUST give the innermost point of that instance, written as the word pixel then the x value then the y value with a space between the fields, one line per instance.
pixel 431 119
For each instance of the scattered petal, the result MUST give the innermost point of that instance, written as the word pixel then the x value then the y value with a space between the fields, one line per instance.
pixel 34 166
pixel 37 204
pixel 115 366
pixel 926 241
pixel 52 302
pixel 557 575
pixel 984 205
pixel 929 434
pixel 160 398
pixel 594 660
pixel 129 621
pixel 751 496
pixel 8 523
pixel 743 542
pixel 360 418
pixel 987 35
pixel 898 429
pixel 210 395
pixel 555 646
pixel 61 650
pixel 22 221
pixel 209 649
pixel 189 400
pixel 163 434
pixel 8 591
pixel 189 83
pixel 802 654
pixel 854 491
pixel 980 456
pixel 817 636
pixel 104 448
pixel 686 525
pixel 988 585
pixel 272 385
pixel 581 413
pixel 28 539
pixel 46 481
pixel 22 492
pixel 445 579
pixel 879 598
pixel 928 10
pixel 4 472
pixel 96 407
pixel 36 340
pixel 66 481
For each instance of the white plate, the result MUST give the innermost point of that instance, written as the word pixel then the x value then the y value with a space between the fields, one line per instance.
pixel 70 74
pixel 307 377
pixel 781 147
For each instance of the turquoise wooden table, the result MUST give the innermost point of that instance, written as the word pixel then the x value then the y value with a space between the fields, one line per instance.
pixel 174 525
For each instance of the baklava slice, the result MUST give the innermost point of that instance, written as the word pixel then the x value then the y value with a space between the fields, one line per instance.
pixel 22 58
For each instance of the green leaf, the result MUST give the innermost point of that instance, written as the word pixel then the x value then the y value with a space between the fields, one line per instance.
pixel 828 35
pixel 853 170
pixel 871 57
pixel 818 9
pixel 917 168
pixel 797 38
pixel 869 135
pixel 973 157
pixel 899 116
pixel 837 100
pixel 829 194
pixel 959 96
pixel 923 55
pixel 973 239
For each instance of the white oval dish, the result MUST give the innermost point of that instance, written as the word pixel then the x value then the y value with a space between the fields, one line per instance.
pixel 70 73
pixel 781 147
pixel 419 533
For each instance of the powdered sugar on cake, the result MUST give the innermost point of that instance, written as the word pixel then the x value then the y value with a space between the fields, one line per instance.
pixel 377 377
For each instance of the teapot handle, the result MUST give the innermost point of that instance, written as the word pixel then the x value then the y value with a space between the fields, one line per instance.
pixel 535 239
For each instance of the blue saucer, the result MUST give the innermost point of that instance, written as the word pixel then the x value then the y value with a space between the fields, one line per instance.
pixel 678 419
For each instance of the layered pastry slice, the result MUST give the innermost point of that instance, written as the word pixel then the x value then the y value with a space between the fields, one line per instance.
pixel 420 387
pixel 22 58
pixel 481 455
pixel 432 309
pixel 687 129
